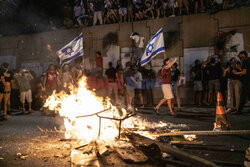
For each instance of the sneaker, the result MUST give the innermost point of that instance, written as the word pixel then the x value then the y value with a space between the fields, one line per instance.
pixel 6 116
pixel 141 106
pixel 229 110
pixel 236 112
pixel 172 15
pixel 130 108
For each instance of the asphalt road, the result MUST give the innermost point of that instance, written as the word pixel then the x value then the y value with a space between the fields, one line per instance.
pixel 23 144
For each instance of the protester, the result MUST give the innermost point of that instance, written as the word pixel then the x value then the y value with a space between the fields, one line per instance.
pixel 149 75
pixel 112 81
pixel 138 88
pixel 110 16
pixel 214 73
pixel 24 78
pixel 176 91
pixel 76 73
pixel 15 93
pixel 197 79
pixel 67 79
pixel 5 86
pixel 138 12
pixel 166 86
pixel 98 9
pixel 158 4
pixel 77 13
pixel 139 44
pixel 185 2
pixel 172 7
pixel 130 11
pixel 245 73
pixel 123 4
pixel 205 81
pixel 197 3
pixel 130 83
pixel 67 14
pixel 51 80
pixel 234 86
pixel 148 11
pixel 120 73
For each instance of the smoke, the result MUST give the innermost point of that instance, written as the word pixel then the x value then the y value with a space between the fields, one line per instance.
pixel 28 16
pixel 8 7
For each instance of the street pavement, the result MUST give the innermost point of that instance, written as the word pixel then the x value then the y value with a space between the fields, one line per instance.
pixel 23 144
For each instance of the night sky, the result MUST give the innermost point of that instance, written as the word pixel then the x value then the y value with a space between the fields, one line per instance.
pixel 20 16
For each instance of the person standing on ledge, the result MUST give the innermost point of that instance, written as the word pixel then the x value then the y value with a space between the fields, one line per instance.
pixel 166 86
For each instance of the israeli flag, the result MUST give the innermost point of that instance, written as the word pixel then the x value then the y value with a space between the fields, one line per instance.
pixel 154 47
pixel 71 51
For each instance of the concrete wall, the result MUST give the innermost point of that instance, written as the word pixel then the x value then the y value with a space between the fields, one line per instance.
pixel 195 31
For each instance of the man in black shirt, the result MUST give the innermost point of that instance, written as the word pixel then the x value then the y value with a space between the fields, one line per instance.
pixel 175 79
pixel 214 73
pixel 112 79
pixel 245 73
pixel 98 8
pixel 197 76
pixel 5 87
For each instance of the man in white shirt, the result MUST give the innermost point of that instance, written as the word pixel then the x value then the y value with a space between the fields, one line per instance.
pixel 139 43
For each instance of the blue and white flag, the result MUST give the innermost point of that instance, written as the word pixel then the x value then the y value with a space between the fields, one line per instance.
pixel 154 47
pixel 71 51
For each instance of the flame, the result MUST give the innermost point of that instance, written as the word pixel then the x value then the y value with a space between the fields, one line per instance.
pixel 81 101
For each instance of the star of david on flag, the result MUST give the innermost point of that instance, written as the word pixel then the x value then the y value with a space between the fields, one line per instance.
pixel 71 51
pixel 153 48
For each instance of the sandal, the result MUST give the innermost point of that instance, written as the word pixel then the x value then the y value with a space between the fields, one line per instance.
pixel 173 114
pixel 156 110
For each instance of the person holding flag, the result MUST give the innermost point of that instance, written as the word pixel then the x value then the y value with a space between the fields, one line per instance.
pixel 153 48
pixel 166 86
pixel 71 51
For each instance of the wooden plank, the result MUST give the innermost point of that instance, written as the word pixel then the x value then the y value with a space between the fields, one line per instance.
pixel 129 153
pixel 192 159
pixel 206 133
pixel 187 142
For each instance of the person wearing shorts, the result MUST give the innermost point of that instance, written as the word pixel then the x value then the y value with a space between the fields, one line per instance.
pixel 166 86
pixel 171 7
pixel 23 79
pixel 123 10
pixel 112 79
pixel 185 2
pixel 158 4
pixel 5 88
pixel 138 90
pixel 130 83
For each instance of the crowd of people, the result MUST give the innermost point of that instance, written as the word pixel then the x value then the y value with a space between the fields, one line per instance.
pixel 17 88
pixel 231 78
pixel 90 12
pixel 133 85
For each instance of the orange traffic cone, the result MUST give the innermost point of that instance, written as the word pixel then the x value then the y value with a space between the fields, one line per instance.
pixel 221 119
